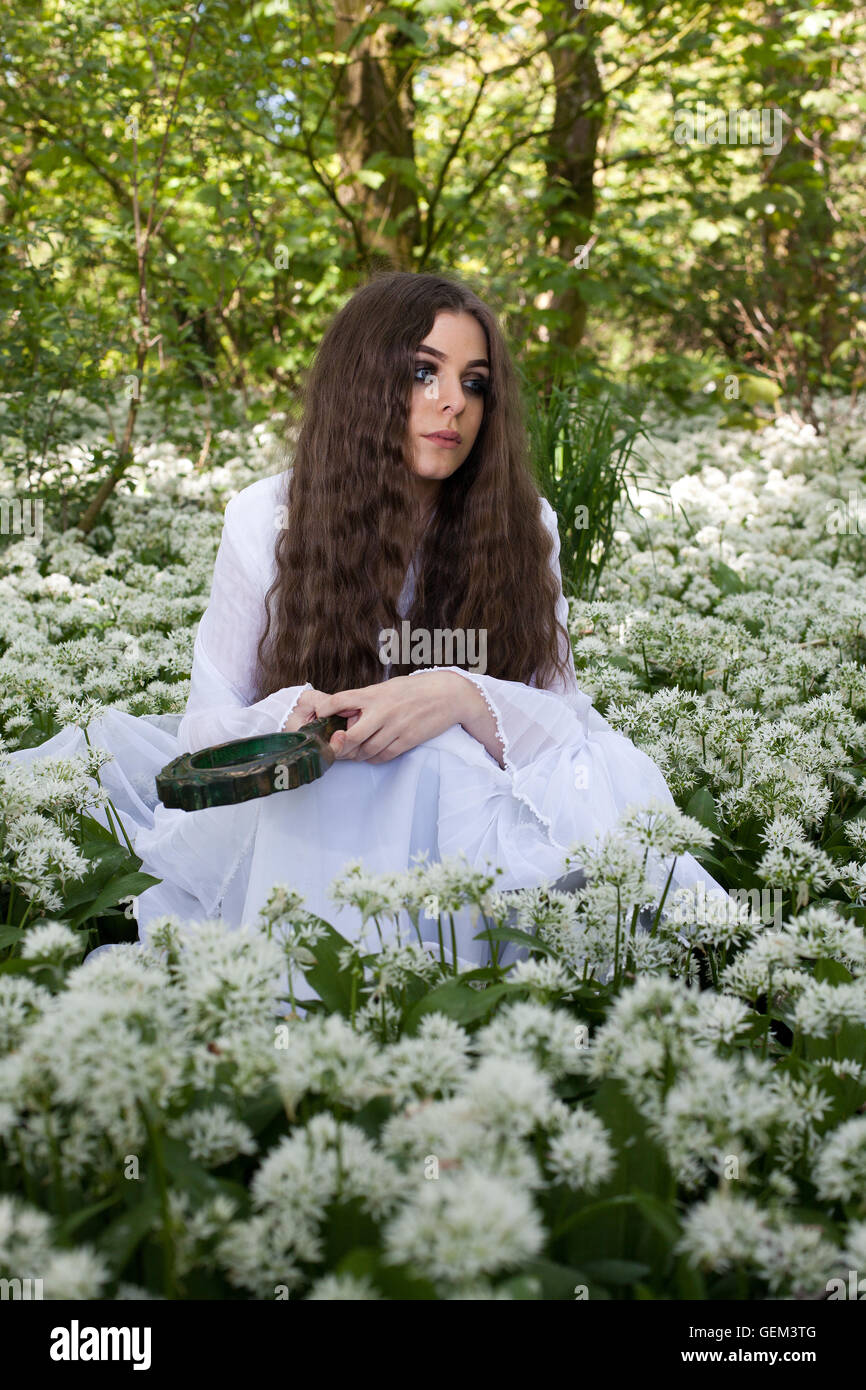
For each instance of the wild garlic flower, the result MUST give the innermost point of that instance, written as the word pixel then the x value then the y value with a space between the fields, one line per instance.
pixel 465 1225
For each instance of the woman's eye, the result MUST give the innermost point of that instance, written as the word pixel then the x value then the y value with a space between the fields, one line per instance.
pixel 478 385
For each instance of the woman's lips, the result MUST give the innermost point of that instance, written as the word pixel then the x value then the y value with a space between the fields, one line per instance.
pixel 442 440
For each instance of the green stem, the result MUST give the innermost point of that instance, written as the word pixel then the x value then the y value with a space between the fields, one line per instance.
pixel 55 1164
pixel 98 781
pixel 712 959
pixel 22 923
pixel 122 829
pixel 441 939
pixel 28 1179
pixel 657 917
pixel 769 1006
pixel 162 1181
pixel 453 942
pixel 413 918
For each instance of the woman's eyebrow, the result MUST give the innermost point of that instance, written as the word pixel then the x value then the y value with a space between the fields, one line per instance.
pixel 443 357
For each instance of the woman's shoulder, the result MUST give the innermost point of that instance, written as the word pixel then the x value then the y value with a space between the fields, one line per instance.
pixel 253 518
pixel 550 519
pixel 258 501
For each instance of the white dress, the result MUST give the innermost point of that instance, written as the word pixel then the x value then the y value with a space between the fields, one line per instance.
pixel 567 778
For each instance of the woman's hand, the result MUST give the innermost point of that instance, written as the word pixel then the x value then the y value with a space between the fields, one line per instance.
pixel 306 708
pixel 396 715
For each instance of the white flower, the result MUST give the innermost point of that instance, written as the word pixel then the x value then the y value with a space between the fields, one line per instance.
pixel 839 1169
pixel 795 1256
pixel 855 833
pixel 21 1001
pixel 843 1067
pixel 52 941
pixel 533 1031
pixel 324 1055
pixel 582 1155
pixel 75 1274
pixel 464 1225
pixel 509 1094
pixel 342 1288
pixel 262 1255
pixel 373 895
pixel 544 977
pixel 722 1231
pixel 721 1019
pixel 214 1135
pixel 25 1239
pixel 854 1254
pixel 664 829
pixel 823 1007
pixel 434 1062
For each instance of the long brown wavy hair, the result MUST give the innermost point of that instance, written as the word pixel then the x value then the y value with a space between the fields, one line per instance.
pixel 351 510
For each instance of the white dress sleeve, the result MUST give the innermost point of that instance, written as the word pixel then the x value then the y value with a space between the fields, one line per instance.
pixel 544 731
pixel 564 761
pixel 219 707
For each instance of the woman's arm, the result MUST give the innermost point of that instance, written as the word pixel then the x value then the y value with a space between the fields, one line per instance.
pixel 219 707
pixel 516 723
pixel 474 713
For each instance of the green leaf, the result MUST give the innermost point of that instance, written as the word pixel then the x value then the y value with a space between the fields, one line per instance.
pixel 616 1271
pixel 119 1240
pixel 460 1002
pixel 832 970
pixel 726 579
pixel 522 938
pixel 558 1281
pixel 658 1213
pixel 262 1109
pixel 106 861
pixel 394 1281
pixel 192 1176
pixel 95 833
pixel 523 1287
pixel 689 1281
pixel 67 1228
pixel 702 808
pixel 333 985
pixel 111 894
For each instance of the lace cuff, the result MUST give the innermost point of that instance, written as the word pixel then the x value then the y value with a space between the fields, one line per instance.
pixel 545 746
pixel 296 692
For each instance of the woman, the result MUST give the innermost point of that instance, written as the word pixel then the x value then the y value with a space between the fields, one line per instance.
pixel 409 517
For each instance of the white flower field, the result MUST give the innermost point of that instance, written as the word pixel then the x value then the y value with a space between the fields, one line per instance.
pixel 671 1112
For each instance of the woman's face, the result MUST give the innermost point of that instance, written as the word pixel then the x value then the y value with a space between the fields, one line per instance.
pixel 451 373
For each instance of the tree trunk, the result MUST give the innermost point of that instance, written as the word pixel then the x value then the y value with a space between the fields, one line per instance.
pixel 570 160
pixel 375 115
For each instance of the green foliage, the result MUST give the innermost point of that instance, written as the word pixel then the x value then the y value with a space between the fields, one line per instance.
pixel 581 452
pixel 185 205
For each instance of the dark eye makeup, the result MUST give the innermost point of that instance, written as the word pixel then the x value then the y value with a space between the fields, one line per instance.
pixel 479 384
